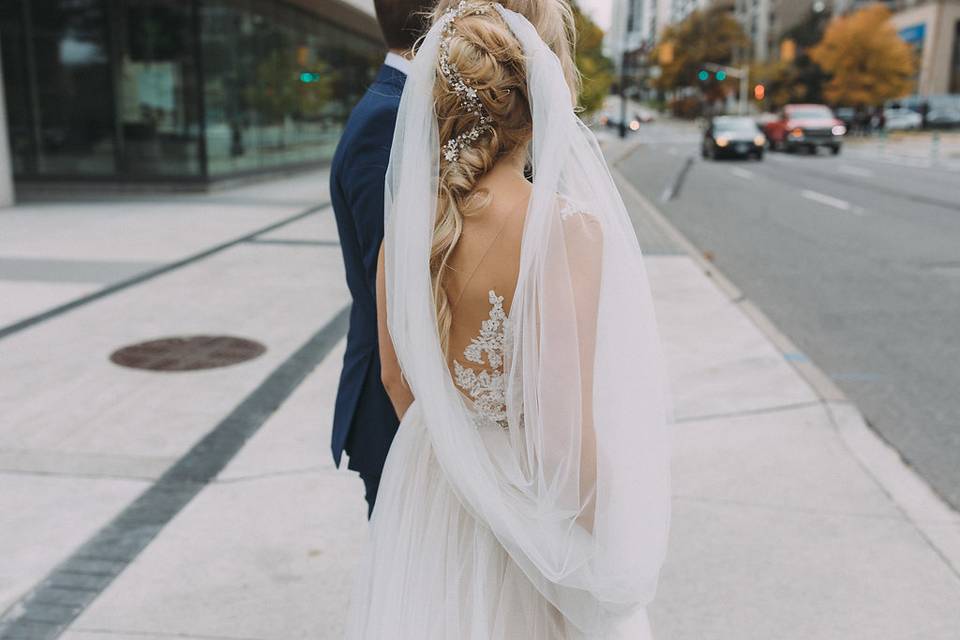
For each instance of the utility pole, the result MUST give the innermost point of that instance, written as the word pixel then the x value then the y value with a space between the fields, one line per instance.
pixel 624 57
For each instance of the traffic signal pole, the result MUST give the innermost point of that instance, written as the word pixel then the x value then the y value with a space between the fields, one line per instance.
pixel 741 73
pixel 623 94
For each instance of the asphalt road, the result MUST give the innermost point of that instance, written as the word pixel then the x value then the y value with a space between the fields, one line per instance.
pixel 855 257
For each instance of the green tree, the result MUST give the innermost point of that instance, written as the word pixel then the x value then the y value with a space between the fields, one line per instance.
pixel 867 62
pixel 596 70
pixel 704 36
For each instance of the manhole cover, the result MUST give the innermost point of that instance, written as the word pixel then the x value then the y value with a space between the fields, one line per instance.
pixel 187 353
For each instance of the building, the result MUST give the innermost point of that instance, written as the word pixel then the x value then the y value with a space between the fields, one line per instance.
pixel 637 24
pixel 680 9
pixel 179 91
pixel 756 17
pixel 846 6
pixel 633 23
pixel 933 30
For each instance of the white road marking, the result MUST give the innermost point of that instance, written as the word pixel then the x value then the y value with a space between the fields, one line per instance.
pixel 823 198
pixel 742 173
pixel 851 170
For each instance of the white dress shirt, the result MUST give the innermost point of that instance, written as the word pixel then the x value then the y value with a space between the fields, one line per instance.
pixel 398 62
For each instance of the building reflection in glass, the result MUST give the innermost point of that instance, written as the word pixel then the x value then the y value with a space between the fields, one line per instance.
pixel 175 89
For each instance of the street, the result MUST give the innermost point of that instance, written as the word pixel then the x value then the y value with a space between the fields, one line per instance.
pixel 855 257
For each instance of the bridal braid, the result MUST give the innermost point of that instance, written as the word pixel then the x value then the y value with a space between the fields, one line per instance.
pixel 489 59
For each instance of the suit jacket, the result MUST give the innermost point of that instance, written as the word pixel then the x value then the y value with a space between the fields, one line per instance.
pixel 364 421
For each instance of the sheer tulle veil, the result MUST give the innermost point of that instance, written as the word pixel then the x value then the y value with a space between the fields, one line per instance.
pixel 576 489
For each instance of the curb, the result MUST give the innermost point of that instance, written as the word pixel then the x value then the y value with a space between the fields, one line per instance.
pixel 935 521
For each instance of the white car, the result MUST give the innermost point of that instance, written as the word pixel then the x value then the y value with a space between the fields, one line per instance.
pixel 946 117
pixel 901 119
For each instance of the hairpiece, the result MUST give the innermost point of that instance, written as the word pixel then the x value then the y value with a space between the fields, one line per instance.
pixel 469 99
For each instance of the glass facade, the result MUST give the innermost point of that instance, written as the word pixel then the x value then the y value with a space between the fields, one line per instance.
pixel 277 88
pixel 175 89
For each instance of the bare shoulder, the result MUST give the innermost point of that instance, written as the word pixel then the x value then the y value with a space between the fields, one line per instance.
pixel 579 223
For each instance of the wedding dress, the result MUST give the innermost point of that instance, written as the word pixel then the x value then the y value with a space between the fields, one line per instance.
pixel 526 494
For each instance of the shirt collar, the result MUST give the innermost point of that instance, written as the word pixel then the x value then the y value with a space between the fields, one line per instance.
pixel 398 62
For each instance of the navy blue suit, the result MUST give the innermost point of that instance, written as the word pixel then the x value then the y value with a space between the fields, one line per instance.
pixel 364 421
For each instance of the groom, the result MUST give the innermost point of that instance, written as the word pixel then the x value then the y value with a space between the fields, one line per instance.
pixel 364 421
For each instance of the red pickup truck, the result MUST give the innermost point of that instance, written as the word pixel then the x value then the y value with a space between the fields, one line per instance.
pixel 805 126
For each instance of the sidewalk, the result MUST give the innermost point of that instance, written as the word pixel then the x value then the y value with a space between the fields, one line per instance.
pixel 923 149
pixel 791 520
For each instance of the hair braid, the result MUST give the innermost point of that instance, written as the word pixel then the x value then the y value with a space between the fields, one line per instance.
pixel 490 60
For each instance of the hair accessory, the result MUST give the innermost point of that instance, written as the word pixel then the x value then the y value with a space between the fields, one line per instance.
pixel 468 95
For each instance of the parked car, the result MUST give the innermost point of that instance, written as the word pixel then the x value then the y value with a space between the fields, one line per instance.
pixel 900 119
pixel 611 119
pixel 645 115
pixel 943 118
pixel 733 136
pixel 806 126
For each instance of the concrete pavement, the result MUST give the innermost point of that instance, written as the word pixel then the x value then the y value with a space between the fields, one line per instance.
pixel 791 521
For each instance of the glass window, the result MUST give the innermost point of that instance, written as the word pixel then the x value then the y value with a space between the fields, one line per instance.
pixel 112 88
pixel 17 89
pixel 157 88
pixel 279 84
pixel 67 54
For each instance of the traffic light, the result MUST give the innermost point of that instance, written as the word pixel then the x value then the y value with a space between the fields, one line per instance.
pixel 703 75
pixel 308 76
pixel 759 91
pixel 788 50
pixel 665 51
pixel 721 75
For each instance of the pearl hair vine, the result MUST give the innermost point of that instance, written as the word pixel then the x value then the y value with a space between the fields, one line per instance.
pixel 469 99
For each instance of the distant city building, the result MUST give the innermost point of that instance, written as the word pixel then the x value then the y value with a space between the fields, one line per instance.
pixel 632 23
pixel 767 22
pixel 933 30
pixel 189 91
pixel 756 17
pixel 637 23
pixel 846 6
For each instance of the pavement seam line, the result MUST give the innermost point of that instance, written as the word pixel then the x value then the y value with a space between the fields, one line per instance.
pixel 897 517
pixel 759 411
pixel 293 242
pixel 140 278
pixel 673 188
pixel 906 489
pixel 114 546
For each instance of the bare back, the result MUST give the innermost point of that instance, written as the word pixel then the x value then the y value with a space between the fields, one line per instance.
pixel 480 282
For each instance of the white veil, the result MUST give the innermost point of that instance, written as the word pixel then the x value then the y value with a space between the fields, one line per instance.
pixel 577 488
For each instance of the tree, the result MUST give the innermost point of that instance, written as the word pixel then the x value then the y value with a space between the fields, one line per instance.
pixel 704 36
pixel 868 63
pixel 596 70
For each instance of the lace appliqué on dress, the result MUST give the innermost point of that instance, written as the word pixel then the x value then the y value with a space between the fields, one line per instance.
pixel 486 387
pixel 570 208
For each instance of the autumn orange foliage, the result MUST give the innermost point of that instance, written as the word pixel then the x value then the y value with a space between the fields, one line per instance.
pixel 867 60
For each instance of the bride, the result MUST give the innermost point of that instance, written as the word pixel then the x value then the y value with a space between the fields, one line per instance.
pixel 526 495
